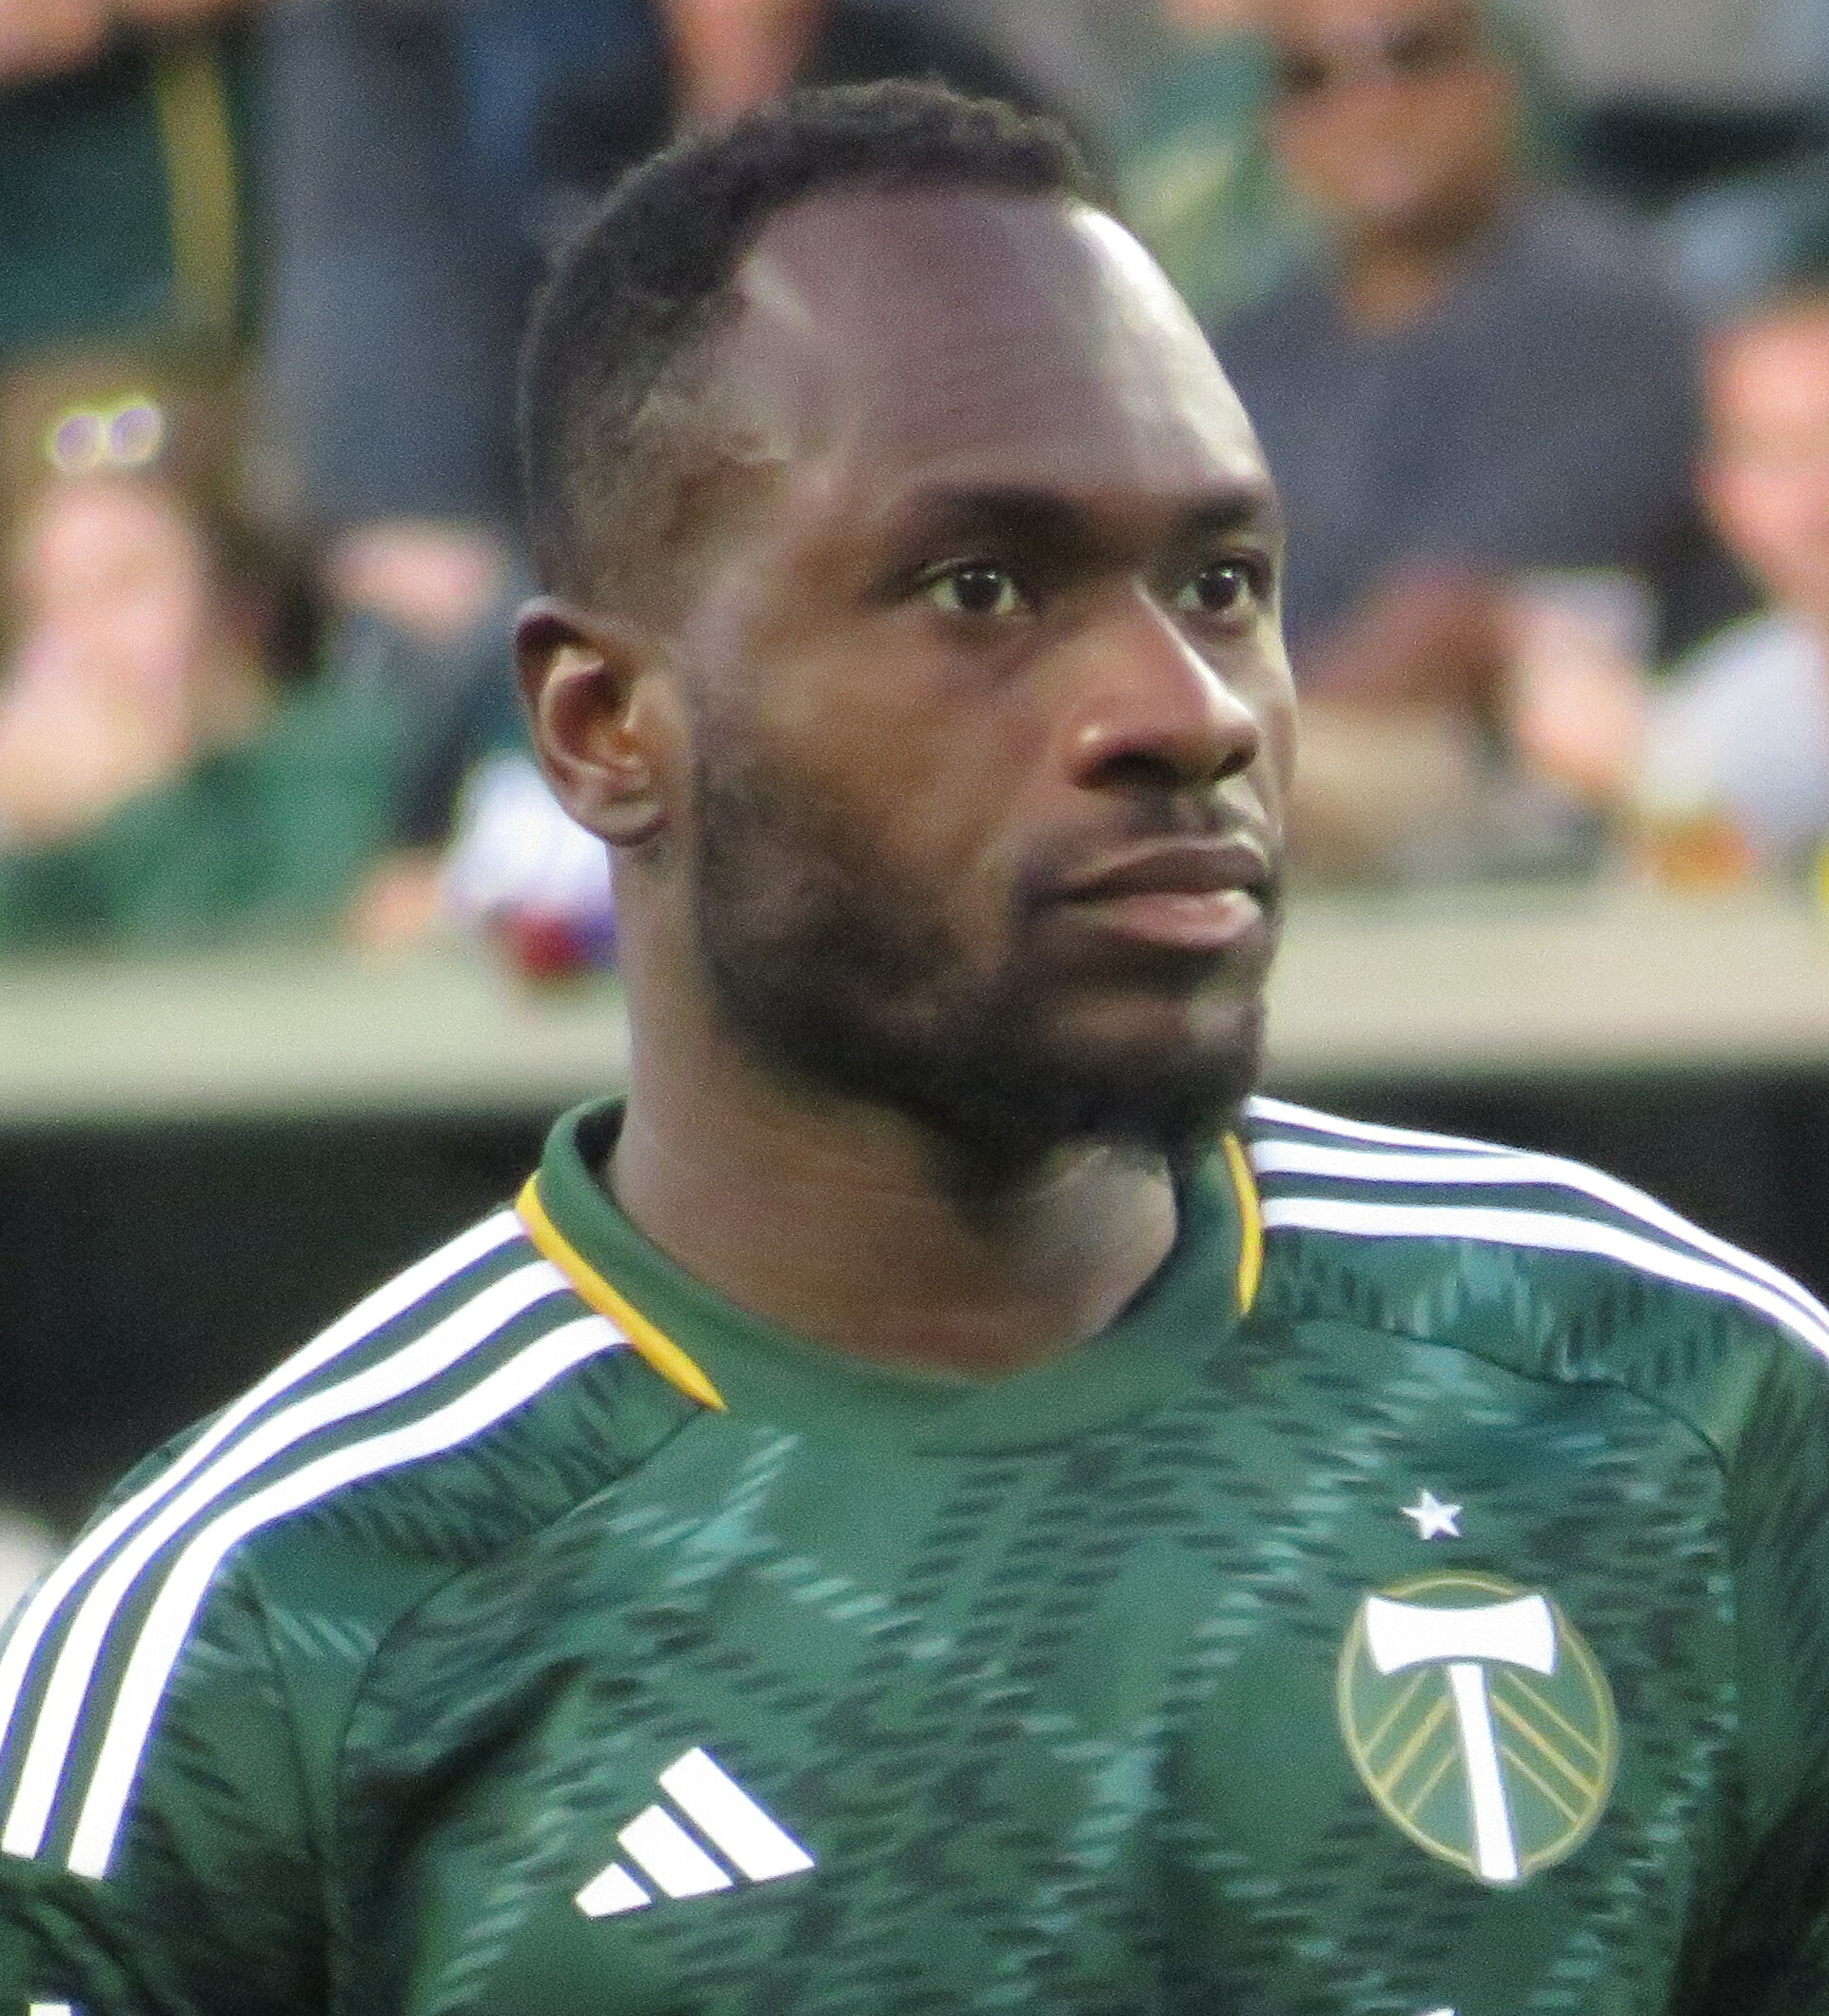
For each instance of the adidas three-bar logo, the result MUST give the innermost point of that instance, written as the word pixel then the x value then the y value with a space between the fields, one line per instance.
pixel 677 1860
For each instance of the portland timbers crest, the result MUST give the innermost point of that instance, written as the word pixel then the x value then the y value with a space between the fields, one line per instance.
pixel 1480 1722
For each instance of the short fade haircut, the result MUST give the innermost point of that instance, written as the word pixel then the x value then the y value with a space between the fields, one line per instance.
pixel 626 320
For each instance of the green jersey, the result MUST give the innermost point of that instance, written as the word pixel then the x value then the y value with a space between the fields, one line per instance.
pixel 1418 1601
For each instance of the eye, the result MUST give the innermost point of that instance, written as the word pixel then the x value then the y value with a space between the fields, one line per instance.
pixel 976 588
pixel 1226 589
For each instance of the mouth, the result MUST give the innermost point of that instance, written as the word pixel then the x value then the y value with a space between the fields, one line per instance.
pixel 1202 897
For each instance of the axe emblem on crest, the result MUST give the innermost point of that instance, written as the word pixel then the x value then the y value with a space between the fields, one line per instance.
pixel 1480 1721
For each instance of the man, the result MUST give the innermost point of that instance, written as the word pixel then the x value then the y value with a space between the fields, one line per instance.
pixel 1724 767
pixel 1485 377
pixel 425 160
pixel 1742 732
pixel 894 1522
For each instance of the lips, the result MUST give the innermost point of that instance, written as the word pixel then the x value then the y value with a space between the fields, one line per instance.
pixel 1196 896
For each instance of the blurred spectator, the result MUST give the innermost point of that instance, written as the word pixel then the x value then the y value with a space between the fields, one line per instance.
pixel 1487 376
pixel 1724 768
pixel 125 214
pixel 1742 732
pixel 157 783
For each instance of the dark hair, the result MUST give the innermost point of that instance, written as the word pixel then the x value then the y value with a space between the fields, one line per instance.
pixel 633 301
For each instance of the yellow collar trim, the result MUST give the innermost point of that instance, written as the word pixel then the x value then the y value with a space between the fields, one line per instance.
pixel 1250 1223
pixel 660 1351
pixel 653 1345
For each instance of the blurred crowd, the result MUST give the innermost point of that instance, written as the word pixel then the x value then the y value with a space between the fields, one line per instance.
pixel 1530 303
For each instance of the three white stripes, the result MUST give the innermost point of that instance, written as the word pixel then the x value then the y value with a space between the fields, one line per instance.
pixel 168 1624
pixel 675 1862
pixel 1698 1261
pixel 207 1473
pixel 362 1322
pixel 215 1464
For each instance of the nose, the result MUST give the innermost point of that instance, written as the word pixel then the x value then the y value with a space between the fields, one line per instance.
pixel 1159 715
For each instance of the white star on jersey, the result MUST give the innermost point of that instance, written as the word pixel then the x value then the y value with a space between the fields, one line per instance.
pixel 1434 1520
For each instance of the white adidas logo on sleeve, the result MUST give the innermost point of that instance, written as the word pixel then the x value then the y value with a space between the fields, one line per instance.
pixel 677 1861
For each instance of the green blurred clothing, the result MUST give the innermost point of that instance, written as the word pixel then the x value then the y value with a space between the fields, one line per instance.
pixel 1197 179
pixel 268 835
pixel 123 206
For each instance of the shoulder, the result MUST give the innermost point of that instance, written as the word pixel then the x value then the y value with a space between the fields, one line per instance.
pixel 1558 1270
pixel 470 1401
pixel 1562 248
pixel 1744 712
pixel 1759 656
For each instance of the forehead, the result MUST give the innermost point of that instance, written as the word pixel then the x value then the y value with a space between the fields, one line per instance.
pixel 947 337
pixel 1352 20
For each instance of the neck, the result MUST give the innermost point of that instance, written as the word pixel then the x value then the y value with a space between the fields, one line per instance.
pixel 1392 280
pixel 839 1222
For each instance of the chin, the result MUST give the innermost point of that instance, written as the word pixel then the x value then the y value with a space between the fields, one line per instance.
pixel 1173 1092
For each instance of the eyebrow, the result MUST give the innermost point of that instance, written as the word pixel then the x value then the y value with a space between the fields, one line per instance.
pixel 1065 523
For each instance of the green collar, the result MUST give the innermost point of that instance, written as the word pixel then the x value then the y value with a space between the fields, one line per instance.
pixel 724 1357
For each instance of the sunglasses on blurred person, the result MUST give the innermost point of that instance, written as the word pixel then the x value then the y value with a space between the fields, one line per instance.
pixel 1410 52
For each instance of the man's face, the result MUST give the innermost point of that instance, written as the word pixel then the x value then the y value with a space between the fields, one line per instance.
pixel 1767 473
pixel 992 722
pixel 114 587
pixel 1393 117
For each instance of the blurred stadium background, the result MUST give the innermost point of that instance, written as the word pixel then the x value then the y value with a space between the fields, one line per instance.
pixel 296 961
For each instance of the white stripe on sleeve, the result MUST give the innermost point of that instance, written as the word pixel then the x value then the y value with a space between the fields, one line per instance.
pixel 67 1693
pixel 1280 1113
pixel 1517 1166
pixel 373 1313
pixel 169 1620
pixel 1542 1231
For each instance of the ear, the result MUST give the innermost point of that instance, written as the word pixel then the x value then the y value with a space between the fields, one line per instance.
pixel 599 735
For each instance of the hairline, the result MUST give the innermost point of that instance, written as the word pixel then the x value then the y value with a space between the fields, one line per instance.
pixel 689 378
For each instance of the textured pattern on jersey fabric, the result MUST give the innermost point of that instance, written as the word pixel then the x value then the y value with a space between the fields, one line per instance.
pixel 56 1930
pixel 1000 1820
pixel 64 1663
pixel 234 1813
pixel 1739 1363
pixel 1049 1702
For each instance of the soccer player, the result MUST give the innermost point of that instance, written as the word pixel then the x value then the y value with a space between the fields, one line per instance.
pixel 937 1501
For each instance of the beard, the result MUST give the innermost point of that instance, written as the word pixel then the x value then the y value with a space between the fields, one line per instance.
pixel 833 971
